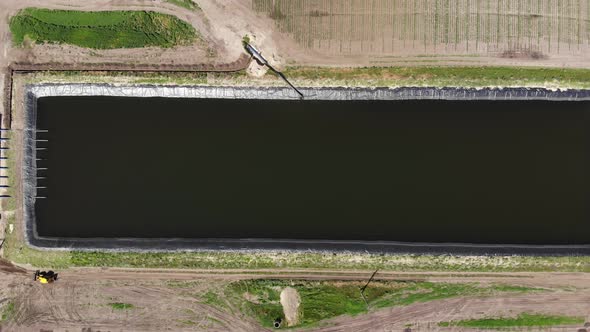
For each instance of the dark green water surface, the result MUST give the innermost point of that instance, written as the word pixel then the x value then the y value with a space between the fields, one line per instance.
pixel 417 171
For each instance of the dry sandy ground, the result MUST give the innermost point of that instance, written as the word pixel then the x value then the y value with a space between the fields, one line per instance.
pixel 222 24
pixel 173 300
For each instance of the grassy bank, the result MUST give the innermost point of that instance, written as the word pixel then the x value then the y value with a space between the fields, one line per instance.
pixel 440 76
pixel 188 4
pixel 332 261
pixel 468 77
pixel 113 77
pixel 18 252
pixel 324 300
pixel 523 320
pixel 100 30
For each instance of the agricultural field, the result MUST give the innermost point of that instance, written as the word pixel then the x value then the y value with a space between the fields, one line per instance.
pixel 100 30
pixel 532 29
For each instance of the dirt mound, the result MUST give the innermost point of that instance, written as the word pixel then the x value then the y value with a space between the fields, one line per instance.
pixel 290 301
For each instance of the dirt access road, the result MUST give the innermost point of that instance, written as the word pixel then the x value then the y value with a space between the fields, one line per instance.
pixel 177 300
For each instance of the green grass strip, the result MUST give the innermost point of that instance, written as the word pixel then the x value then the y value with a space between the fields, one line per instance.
pixel 188 4
pixel 330 261
pixel 443 76
pixel 100 30
pixel 523 320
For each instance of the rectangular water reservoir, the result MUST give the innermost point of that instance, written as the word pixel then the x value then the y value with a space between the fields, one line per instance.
pixel 414 171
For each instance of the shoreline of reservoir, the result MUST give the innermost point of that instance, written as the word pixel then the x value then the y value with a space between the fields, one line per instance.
pixel 33 92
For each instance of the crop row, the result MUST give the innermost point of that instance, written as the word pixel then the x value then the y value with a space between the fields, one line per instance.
pixel 385 26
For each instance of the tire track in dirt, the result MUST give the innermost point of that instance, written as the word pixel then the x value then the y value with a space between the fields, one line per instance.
pixel 169 297
pixel 538 279
pixel 75 303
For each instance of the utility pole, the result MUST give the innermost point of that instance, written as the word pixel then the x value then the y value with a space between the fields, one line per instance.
pixel 365 287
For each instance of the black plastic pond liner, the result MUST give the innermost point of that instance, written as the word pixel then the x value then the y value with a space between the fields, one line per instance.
pixel 31 172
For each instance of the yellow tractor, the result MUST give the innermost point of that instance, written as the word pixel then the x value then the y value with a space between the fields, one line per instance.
pixel 45 277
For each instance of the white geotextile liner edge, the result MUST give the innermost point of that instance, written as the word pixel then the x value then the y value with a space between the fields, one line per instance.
pixel 404 93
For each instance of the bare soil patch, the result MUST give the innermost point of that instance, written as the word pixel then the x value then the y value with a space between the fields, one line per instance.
pixel 176 299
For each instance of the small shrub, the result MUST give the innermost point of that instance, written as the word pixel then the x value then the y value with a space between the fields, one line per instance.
pixel 121 306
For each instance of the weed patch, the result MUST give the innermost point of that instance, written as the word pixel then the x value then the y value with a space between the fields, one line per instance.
pixel 213 299
pixel 322 300
pixel 121 306
pixel 100 30
pixel 512 288
pixel 522 320
pixel 188 4
pixel 7 311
